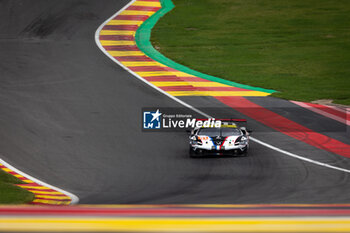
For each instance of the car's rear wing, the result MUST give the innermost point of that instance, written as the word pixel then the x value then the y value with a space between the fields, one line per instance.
pixel 241 123
pixel 232 120
pixel 223 119
pixel 227 121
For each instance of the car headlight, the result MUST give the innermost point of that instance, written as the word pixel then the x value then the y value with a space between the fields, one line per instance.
pixel 243 141
pixel 195 141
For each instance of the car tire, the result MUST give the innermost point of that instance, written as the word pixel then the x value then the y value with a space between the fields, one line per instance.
pixel 192 153
pixel 244 152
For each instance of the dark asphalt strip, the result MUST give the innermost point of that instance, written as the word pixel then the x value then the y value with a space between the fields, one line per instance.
pixel 71 117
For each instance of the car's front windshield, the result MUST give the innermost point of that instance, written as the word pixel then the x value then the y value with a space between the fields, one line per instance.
pixel 225 132
pixel 211 132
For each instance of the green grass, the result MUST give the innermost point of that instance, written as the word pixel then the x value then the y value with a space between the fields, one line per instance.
pixel 300 48
pixel 11 194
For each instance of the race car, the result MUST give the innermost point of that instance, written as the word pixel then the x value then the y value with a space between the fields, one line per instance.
pixel 228 139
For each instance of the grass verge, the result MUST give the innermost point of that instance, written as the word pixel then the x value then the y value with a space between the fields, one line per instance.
pixel 299 48
pixel 11 194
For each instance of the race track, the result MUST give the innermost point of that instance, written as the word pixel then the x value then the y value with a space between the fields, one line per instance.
pixel 71 117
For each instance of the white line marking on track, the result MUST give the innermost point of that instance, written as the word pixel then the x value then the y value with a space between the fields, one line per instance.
pixel 74 198
pixel 324 113
pixel 298 156
pixel 97 33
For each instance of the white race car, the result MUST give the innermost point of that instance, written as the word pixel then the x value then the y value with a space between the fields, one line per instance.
pixel 229 139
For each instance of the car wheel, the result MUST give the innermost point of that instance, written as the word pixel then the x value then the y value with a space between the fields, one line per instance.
pixel 193 154
pixel 235 153
pixel 244 152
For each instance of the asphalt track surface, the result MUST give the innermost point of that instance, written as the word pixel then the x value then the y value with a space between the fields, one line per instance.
pixel 72 118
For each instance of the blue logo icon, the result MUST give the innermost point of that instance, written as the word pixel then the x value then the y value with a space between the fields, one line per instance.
pixel 151 120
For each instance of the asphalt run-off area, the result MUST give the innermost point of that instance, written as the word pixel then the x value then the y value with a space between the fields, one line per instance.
pixel 75 78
